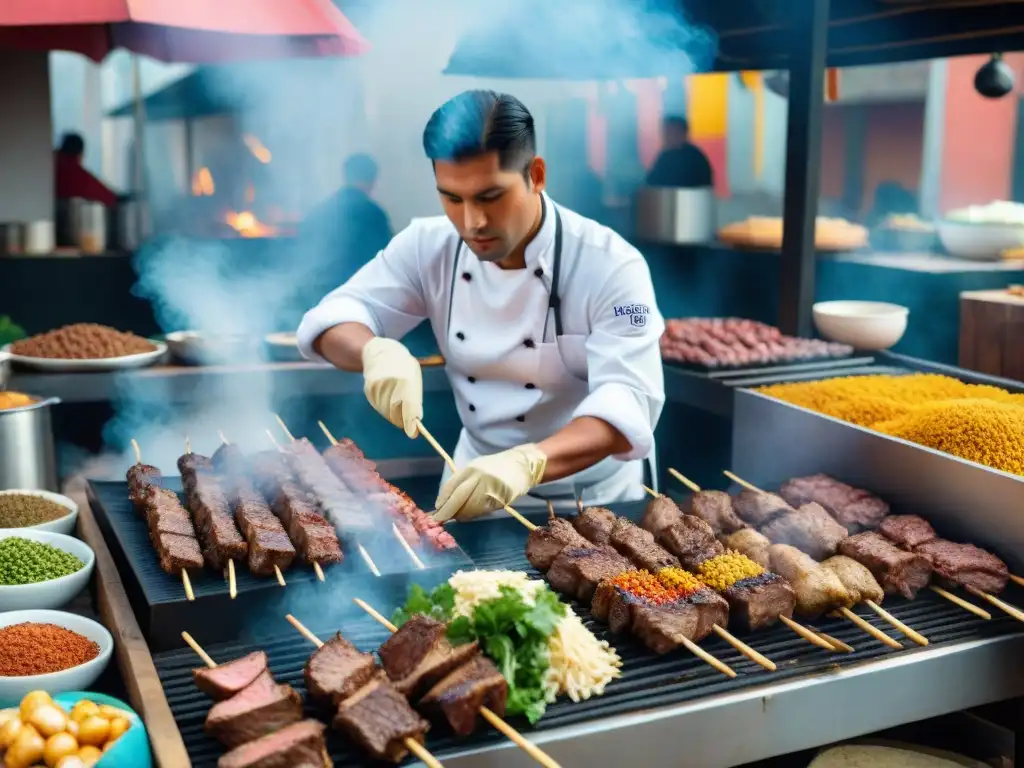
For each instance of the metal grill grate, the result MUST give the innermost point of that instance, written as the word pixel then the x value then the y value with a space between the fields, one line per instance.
pixel 647 680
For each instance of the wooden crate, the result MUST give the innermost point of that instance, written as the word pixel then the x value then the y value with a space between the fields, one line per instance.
pixel 992 333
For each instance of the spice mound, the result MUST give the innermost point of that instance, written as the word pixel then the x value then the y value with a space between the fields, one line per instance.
pixel 669 586
pixel 30 562
pixel 18 510
pixel 40 649
pixel 9 400
pixel 723 571
pixel 82 341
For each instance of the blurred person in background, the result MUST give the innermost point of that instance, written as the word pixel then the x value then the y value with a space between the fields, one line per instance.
pixel 681 162
pixel 547 322
pixel 71 179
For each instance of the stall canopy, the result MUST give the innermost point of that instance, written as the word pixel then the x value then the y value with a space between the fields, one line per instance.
pixel 196 31
pixel 587 40
pixel 193 96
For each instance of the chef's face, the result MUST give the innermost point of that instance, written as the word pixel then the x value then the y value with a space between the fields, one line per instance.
pixel 492 209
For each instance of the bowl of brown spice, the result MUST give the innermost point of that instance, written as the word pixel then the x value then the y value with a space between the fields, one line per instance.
pixel 50 651
pixel 84 347
pixel 37 511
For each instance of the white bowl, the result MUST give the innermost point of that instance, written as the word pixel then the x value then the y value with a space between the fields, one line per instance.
pixel 53 593
pixel 13 689
pixel 866 325
pixel 979 241
pixel 65 525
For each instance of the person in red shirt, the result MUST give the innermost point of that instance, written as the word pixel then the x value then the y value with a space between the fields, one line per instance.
pixel 70 177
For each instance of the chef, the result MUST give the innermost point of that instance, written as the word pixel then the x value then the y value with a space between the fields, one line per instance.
pixel 547 322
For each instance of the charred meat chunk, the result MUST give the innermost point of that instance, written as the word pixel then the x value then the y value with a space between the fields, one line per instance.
pixel 855 509
pixel 907 531
pixel 965 565
pixel 639 547
pixel 857 579
pixel 758 601
pixel 260 708
pixel 178 553
pixel 661 513
pixel 715 509
pixel 337 669
pixel 595 524
pixel 757 508
pixel 545 542
pixel 225 680
pixel 461 693
pixel 140 478
pixel 215 526
pixel 299 745
pixel 897 571
pixel 577 571
pixel 810 529
pixel 751 543
pixel 662 627
pixel 379 719
pixel 691 540
pixel 817 590
pixel 418 655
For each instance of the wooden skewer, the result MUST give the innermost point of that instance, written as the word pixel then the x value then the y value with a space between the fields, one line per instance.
pixel 318 571
pixel 220 434
pixel 1017 580
pixel 1017 613
pixel 741 481
pixel 327 432
pixel 684 480
pixel 186 582
pixel 876 633
pixel 280 576
pixel 913 634
pixel 230 573
pixel 837 644
pixel 451 465
pixel 284 427
pixel 274 441
pixel 411 744
pixel 489 715
pixel 199 650
pixel 979 612
pixel 369 561
pixel 806 634
pixel 405 545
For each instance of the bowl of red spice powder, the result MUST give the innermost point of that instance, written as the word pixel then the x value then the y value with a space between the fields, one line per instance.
pixel 51 651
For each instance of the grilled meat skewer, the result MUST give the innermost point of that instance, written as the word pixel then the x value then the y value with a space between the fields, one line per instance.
pixel 170 527
pixel 211 514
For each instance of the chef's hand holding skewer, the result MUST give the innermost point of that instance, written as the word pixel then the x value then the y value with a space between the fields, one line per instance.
pixel 393 383
pixel 490 482
pixel 488 714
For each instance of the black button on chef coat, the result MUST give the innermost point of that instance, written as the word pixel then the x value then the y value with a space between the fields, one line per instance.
pixel 529 344
pixel 520 418
pixel 460 336
pixel 531 386
pixel 472 407
pixel 472 379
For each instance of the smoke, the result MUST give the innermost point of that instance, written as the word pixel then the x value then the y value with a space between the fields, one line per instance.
pixel 310 115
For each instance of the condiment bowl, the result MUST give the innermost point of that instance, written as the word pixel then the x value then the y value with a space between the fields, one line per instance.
pixel 129 751
pixel 13 689
pixel 55 592
pixel 65 525
pixel 865 325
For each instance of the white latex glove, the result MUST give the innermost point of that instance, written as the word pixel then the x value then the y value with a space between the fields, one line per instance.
pixel 490 482
pixel 393 383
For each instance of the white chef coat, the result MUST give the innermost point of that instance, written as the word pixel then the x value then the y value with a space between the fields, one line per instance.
pixel 513 379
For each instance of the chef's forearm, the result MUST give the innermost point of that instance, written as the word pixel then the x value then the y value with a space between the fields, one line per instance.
pixel 342 345
pixel 580 444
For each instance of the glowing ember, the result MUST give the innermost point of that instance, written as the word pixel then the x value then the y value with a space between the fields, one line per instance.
pixel 246 224
pixel 250 193
pixel 202 183
pixel 259 151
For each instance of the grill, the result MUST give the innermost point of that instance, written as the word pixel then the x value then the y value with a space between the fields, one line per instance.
pixel 159 602
pixel 647 681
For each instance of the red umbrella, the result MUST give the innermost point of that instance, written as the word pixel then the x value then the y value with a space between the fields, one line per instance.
pixel 194 31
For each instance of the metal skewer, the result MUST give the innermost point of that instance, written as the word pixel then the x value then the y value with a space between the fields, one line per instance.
pixel 411 744
pixel 489 715
pixel 186 582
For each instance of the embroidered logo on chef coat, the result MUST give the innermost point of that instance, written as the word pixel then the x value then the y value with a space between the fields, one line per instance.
pixel 637 313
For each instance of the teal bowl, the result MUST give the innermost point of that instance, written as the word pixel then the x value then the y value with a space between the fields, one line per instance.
pixel 129 751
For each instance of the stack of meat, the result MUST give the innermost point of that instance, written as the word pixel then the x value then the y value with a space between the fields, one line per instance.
pixel 265 493
pixel 373 707
pixel 360 476
pixel 338 504
pixel 218 535
pixel 724 342
pixel 170 528
pixel 257 719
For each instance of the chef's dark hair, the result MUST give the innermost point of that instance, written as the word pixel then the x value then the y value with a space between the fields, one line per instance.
pixel 72 144
pixel 359 169
pixel 677 121
pixel 477 122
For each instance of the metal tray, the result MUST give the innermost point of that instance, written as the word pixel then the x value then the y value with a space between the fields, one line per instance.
pixel 648 681
pixel 159 602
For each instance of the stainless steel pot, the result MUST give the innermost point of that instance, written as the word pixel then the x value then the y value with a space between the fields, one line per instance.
pixel 28 457
pixel 676 215
pixel 5 369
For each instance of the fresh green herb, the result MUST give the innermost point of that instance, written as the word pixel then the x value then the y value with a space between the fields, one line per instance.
pixel 438 604
pixel 510 630
pixel 9 332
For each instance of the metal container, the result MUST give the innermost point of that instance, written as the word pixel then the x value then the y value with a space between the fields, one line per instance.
pixel 676 215
pixel 13 239
pixel 28 457
pixel 91 236
pixel 5 369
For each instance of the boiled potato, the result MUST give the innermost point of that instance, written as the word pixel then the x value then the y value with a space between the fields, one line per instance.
pixel 118 727
pixel 84 709
pixel 9 732
pixel 93 731
pixel 58 746
pixel 26 749
pixel 72 728
pixel 110 712
pixel 7 714
pixel 48 719
pixel 31 701
pixel 71 761
pixel 89 756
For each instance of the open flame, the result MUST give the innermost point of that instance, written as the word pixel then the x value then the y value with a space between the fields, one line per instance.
pixel 202 183
pixel 246 224
pixel 255 146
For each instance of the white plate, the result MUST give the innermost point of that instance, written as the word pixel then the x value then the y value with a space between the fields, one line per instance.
pixel 55 592
pixel 13 689
pixel 65 525
pixel 52 365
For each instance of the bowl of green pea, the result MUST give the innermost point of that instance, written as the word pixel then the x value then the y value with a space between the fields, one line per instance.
pixel 40 569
